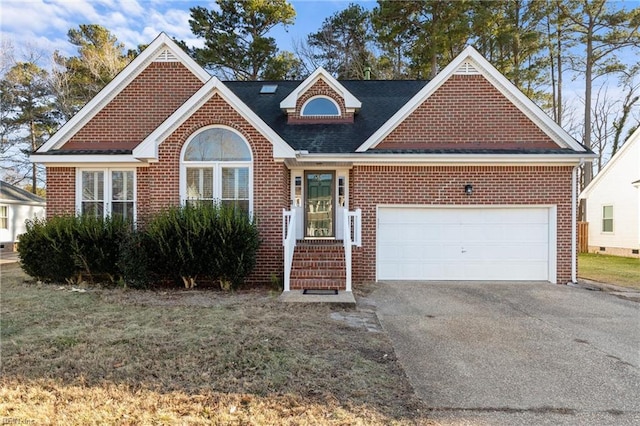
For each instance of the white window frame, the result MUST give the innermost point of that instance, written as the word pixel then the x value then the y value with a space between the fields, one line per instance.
pixel 217 167
pixel 107 188
pixel 302 114
pixel 609 218
pixel 4 216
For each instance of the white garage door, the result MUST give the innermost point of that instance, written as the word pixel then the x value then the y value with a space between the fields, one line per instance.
pixel 465 243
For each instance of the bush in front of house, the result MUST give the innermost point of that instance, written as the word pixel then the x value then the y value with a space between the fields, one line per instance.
pixel 45 249
pixel 72 248
pixel 184 244
pixel 213 242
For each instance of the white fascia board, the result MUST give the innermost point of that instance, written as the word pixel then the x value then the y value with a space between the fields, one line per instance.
pixel 350 101
pixel 461 159
pixel 23 203
pixel 84 159
pixel 633 139
pixel 500 82
pixel 119 83
pixel 148 149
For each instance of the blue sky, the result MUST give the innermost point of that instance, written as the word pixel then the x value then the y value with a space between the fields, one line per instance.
pixel 43 24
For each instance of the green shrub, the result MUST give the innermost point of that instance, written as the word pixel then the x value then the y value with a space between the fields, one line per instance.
pixel 96 246
pixel 45 249
pixel 206 241
pixel 136 261
pixel 68 248
pixel 185 244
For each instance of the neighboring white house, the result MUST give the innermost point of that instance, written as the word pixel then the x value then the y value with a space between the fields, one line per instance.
pixel 613 203
pixel 16 206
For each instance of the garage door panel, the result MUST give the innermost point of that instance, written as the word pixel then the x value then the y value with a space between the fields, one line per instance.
pixel 463 243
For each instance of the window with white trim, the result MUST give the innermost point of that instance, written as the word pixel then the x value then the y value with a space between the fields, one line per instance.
pixel 607 218
pixel 320 106
pixel 107 192
pixel 216 168
pixel 4 217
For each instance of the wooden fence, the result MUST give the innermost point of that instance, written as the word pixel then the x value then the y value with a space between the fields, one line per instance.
pixel 583 237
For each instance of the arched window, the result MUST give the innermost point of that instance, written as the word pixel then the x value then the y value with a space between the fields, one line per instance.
pixel 320 106
pixel 216 167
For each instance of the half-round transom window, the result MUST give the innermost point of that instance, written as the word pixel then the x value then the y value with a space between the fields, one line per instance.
pixel 320 106
pixel 217 144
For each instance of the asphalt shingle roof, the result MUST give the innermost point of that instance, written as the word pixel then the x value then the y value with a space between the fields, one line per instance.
pixel 380 100
pixel 13 193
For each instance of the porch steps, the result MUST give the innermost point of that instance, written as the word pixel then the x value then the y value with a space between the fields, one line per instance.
pixel 318 265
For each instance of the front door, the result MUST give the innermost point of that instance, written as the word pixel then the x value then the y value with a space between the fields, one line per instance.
pixel 319 207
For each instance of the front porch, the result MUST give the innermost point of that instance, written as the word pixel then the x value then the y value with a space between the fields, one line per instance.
pixel 319 269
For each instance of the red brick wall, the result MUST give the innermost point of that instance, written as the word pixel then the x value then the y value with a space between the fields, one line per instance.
pixel 438 185
pixel 61 191
pixel 467 112
pixel 319 88
pixel 159 184
pixel 141 107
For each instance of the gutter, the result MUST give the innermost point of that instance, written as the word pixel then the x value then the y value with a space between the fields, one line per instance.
pixel 574 224
pixel 439 158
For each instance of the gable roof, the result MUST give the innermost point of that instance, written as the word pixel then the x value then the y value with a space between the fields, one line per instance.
pixel 148 148
pixel 380 100
pixel 350 101
pixel 15 195
pixel 631 141
pixel 471 62
pixel 160 49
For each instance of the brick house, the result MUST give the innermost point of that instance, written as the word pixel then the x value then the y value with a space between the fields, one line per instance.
pixel 458 178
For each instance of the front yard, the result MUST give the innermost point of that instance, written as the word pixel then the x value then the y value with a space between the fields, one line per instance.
pixel 110 356
pixel 622 271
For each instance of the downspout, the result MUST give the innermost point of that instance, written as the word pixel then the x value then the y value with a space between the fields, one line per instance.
pixel 574 222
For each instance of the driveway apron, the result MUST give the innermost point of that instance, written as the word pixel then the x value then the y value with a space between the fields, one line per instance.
pixel 516 353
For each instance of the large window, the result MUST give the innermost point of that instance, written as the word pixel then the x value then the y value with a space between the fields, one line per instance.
pixel 107 192
pixel 607 218
pixel 320 106
pixel 216 167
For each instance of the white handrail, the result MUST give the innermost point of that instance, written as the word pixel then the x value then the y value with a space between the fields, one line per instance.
pixel 289 242
pixel 351 237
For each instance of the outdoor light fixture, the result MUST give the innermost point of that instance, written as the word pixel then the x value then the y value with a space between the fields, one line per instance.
pixel 468 189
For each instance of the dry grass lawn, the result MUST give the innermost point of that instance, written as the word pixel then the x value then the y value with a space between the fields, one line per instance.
pixel 111 356
pixel 622 271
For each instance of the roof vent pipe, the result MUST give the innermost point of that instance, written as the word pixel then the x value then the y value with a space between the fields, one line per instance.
pixel 367 73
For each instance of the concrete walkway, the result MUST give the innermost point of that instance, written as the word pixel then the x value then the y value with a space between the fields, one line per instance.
pixel 516 353
pixel 8 257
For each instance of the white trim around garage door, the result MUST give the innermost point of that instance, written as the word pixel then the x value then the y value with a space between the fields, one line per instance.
pixel 388 236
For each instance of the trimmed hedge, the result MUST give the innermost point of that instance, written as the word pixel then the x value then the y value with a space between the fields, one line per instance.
pixel 215 242
pixel 71 248
pixel 182 244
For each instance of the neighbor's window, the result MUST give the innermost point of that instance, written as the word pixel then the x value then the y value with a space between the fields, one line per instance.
pixel 607 218
pixel 4 217
pixel 107 192
pixel 320 106
pixel 216 167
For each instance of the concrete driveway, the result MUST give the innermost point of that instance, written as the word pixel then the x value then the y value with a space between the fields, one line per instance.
pixel 516 353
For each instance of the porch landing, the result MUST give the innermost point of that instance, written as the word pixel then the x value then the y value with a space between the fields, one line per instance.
pixel 297 296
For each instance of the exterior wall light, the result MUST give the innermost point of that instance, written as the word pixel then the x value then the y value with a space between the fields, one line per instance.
pixel 468 189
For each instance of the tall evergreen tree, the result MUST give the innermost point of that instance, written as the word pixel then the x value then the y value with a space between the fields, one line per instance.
pixel 28 101
pixel 434 31
pixel 342 45
pixel 235 35
pixel 76 80
pixel 603 32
